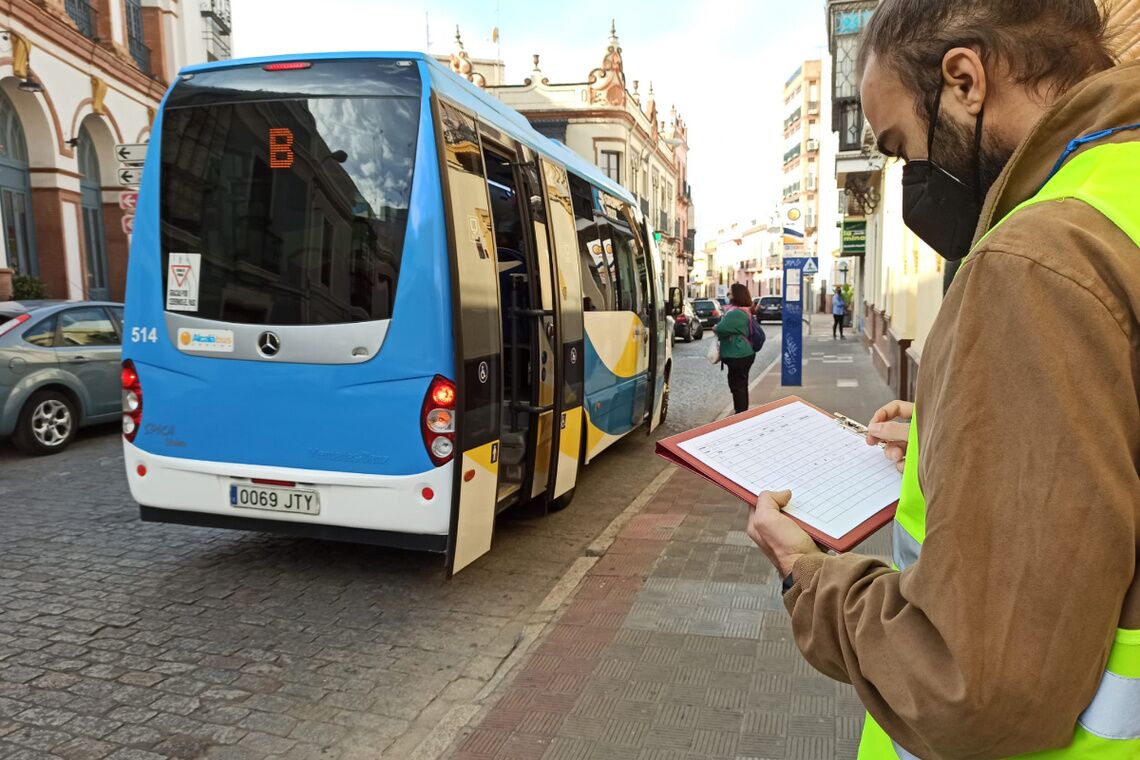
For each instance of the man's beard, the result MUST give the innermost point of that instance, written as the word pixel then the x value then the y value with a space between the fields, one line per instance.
pixel 954 151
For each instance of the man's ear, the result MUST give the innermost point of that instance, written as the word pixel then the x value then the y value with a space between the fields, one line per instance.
pixel 964 77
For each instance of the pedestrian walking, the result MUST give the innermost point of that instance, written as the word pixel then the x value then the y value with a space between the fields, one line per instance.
pixel 1010 622
pixel 838 312
pixel 735 331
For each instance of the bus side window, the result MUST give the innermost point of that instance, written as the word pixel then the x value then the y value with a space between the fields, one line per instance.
pixel 641 263
pixel 627 254
pixel 595 280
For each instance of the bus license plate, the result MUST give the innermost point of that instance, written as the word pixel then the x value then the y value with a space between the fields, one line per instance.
pixel 295 500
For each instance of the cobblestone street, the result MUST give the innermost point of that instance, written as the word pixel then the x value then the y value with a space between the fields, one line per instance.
pixel 137 641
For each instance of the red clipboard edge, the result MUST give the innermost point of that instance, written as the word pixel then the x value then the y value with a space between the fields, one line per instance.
pixel 670 450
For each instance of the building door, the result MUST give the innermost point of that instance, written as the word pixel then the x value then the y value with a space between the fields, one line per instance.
pixel 16 194
pixel 94 231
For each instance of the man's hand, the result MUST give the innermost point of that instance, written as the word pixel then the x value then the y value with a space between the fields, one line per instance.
pixel 781 540
pixel 894 434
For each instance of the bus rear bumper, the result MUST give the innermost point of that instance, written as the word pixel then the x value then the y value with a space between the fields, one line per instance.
pixel 391 510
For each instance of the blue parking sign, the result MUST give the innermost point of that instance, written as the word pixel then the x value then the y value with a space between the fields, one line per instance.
pixel 792 348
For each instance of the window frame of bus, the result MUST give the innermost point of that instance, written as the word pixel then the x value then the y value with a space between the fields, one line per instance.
pixel 585 221
pixel 356 79
pixel 620 220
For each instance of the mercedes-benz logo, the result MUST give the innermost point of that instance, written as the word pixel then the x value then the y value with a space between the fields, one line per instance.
pixel 268 344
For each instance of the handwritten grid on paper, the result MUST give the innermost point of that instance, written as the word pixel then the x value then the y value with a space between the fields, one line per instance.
pixel 837 480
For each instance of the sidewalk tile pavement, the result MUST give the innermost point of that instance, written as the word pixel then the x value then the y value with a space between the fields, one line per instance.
pixel 676 645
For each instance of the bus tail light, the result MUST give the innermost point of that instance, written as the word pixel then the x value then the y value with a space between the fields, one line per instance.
pixel 132 401
pixel 287 66
pixel 438 420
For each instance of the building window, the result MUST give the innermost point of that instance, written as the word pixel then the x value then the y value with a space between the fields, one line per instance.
pixel 138 49
pixel 611 165
pixel 328 238
pixel 16 193
pixel 83 15
pixel 94 229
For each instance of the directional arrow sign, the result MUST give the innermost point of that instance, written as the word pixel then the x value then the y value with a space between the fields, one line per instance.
pixel 128 200
pixel 130 176
pixel 129 224
pixel 132 153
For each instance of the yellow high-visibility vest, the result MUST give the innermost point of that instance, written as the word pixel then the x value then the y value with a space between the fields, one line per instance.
pixel 1104 177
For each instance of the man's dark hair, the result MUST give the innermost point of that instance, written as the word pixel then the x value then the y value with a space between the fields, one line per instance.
pixel 1047 44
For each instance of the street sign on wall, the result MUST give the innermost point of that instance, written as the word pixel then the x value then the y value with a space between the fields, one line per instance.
pixel 128 200
pixel 129 224
pixel 132 153
pixel 130 176
pixel 854 238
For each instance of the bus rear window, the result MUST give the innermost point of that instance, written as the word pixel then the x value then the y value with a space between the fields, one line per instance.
pixel 292 205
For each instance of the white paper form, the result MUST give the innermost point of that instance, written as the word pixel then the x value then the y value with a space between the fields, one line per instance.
pixel 837 480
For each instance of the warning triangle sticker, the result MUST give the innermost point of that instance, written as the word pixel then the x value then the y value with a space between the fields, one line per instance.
pixel 181 272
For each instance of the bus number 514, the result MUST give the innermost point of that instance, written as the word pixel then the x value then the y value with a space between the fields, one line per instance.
pixel 144 335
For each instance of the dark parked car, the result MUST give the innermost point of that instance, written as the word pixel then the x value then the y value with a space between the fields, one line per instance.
pixel 687 326
pixel 59 370
pixel 769 308
pixel 708 311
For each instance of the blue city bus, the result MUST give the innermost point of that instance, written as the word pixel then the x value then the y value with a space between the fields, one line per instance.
pixel 366 301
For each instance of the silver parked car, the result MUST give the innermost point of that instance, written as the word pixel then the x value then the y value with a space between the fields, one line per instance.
pixel 59 370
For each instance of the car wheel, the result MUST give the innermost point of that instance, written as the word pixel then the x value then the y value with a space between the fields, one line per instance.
pixel 689 334
pixel 700 333
pixel 47 424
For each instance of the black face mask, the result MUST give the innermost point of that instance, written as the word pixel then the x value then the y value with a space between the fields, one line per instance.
pixel 940 208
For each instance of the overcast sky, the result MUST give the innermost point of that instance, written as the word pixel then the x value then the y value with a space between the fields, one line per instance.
pixel 723 63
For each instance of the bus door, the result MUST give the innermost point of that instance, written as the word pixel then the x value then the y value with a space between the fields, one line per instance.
pixel 544 323
pixel 658 338
pixel 569 336
pixel 523 264
pixel 477 330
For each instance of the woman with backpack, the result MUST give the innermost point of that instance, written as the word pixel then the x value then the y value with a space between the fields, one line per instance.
pixel 740 340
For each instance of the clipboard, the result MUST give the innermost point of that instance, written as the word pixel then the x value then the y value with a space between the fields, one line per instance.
pixel 670 450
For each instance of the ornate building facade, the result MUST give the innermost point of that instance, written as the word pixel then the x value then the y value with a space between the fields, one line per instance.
pixel 78 77
pixel 609 122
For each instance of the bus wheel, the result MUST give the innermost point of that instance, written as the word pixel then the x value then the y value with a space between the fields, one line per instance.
pixel 46 425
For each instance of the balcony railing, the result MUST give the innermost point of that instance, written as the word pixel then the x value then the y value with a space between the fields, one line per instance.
pixel 793 118
pixel 141 54
pixel 83 15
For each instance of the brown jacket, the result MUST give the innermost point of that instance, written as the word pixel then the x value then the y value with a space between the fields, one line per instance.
pixel 1028 408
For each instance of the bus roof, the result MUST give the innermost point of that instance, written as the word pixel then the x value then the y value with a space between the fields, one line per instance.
pixel 458 89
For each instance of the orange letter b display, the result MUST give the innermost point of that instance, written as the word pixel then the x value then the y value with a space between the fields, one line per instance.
pixel 280 148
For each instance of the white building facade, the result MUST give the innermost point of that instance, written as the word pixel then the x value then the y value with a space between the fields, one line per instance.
pixel 76 78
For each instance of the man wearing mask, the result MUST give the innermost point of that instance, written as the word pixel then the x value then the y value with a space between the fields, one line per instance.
pixel 1010 623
